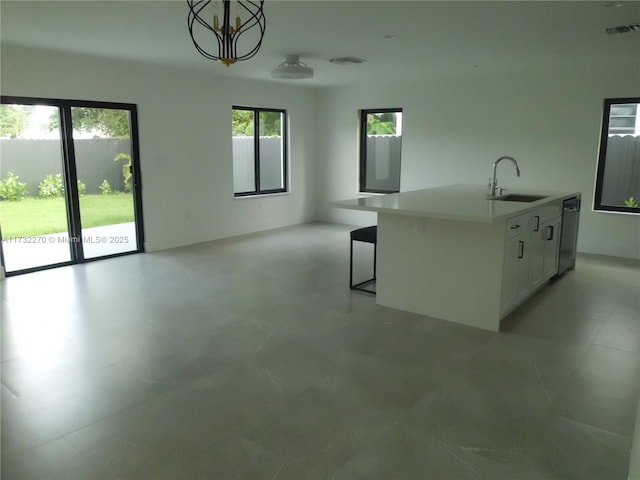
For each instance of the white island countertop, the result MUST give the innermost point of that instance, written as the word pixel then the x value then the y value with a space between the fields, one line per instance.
pixel 453 202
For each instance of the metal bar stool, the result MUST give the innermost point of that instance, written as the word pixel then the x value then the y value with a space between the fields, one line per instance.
pixel 367 235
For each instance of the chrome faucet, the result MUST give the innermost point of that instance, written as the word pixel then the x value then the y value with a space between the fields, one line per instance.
pixel 494 190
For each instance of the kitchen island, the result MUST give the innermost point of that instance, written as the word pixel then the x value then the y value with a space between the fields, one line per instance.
pixel 451 253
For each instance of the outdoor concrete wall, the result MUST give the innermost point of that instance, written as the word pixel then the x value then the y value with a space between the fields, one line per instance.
pixel 622 173
pixel 244 163
pixel 185 139
pixel 455 128
pixel 33 160
pixel 384 157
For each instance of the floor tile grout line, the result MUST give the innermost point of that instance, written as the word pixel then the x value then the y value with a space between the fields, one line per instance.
pixel 15 395
pixel 611 347
pixel 609 432
pixel 24 450
pixel 636 352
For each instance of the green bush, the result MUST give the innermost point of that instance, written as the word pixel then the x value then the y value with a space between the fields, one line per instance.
pixel 126 170
pixel 105 188
pixel 51 186
pixel 631 202
pixel 11 189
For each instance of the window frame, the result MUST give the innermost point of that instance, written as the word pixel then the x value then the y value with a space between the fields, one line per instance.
pixel 362 180
pixel 602 157
pixel 256 151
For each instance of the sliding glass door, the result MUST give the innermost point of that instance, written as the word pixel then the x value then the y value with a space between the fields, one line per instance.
pixel 33 208
pixel 69 182
pixel 107 213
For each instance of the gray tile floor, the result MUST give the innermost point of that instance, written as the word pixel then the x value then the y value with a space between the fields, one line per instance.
pixel 250 358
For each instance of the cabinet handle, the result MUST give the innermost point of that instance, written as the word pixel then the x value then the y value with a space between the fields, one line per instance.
pixel 537 227
pixel 550 234
pixel 513 227
pixel 520 249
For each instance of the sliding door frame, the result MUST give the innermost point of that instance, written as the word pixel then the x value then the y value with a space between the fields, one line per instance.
pixel 72 196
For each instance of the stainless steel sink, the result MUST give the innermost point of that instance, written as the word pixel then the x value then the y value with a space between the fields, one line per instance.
pixel 516 197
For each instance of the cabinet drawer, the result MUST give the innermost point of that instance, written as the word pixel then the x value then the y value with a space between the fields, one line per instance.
pixel 517 225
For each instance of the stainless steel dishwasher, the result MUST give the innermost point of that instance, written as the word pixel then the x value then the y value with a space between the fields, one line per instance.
pixel 569 234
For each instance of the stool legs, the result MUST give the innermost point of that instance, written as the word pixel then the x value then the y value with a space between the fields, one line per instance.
pixel 360 286
pixel 375 259
pixel 351 265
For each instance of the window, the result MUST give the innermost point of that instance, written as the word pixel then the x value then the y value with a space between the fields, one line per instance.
pixel 380 149
pixel 259 151
pixel 618 176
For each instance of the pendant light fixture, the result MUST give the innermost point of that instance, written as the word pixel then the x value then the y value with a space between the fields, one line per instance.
pixel 227 30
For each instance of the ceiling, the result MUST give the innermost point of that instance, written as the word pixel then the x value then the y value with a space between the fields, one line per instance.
pixel 432 38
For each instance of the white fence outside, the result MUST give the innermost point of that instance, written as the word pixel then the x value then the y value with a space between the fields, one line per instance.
pixel 621 178
pixel 383 169
pixel 271 163
pixel 383 162
pixel 33 159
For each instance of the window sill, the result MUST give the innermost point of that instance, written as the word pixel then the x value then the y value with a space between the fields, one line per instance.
pixel 374 194
pixel 260 195
pixel 617 212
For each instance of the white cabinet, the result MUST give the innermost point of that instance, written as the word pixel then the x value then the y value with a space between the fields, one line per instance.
pixel 545 232
pixel 515 280
pixel 531 254
pixel 551 239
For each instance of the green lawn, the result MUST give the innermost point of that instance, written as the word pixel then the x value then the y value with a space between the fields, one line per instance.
pixel 38 216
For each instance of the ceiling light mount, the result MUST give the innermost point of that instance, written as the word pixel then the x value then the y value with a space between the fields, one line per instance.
pixel 292 69
pixel 225 30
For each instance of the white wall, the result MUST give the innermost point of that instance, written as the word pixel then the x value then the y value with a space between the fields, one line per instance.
pixel 185 140
pixel 634 463
pixel 455 128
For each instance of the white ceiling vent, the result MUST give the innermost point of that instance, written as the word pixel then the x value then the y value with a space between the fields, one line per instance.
pixel 292 69
pixel 623 28
pixel 346 60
